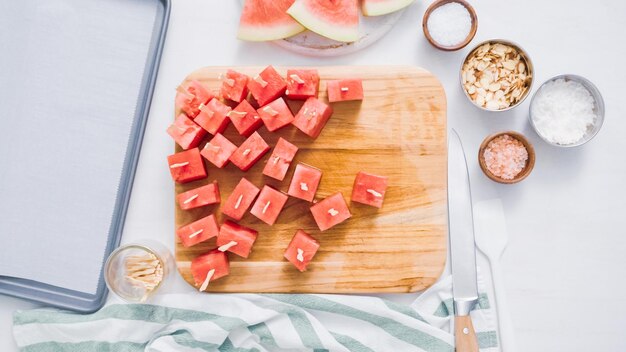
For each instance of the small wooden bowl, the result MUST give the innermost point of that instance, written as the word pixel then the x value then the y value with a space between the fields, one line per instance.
pixel 530 163
pixel 462 44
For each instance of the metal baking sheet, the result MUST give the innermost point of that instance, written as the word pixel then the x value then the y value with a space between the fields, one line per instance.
pixel 76 83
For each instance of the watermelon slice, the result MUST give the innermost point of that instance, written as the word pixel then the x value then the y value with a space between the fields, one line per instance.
pixel 302 84
pixel 198 231
pixel 301 250
pixel 267 86
pixel 234 86
pixel 345 90
pixel 236 239
pixel 276 115
pixel 190 96
pixel 245 118
pixel 334 19
pixel 213 117
pixel 278 163
pixel 240 200
pixel 186 166
pixel 305 181
pixel 185 132
pixel 209 267
pixel 263 20
pixel 383 7
pixel 199 197
pixel 312 117
pixel 249 152
pixel 269 204
pixel 369 189
pixel 218 150
pixel 331 211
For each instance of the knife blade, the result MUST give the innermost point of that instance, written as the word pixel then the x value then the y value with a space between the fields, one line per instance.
pixel 462 246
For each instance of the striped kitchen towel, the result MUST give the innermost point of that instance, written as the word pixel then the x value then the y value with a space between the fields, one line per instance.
pixel 251 322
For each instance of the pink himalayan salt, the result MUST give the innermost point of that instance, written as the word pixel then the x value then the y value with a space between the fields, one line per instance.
pixel 505 157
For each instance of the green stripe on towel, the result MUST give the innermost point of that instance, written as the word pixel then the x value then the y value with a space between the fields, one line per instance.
pixel 91 346
pixel 350 343
pixel 265 335
pixel 301 324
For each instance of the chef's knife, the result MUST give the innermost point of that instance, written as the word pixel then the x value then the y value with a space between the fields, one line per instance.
pixel 462 247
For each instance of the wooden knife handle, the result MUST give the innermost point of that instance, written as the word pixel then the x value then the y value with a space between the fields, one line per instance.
pixel 464 334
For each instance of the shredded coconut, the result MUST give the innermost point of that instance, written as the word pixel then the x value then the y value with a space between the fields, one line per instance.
pixel 449 24
pixel 563 111
pixel 505 157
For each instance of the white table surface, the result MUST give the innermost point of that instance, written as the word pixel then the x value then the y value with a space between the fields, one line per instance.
pixel 564 267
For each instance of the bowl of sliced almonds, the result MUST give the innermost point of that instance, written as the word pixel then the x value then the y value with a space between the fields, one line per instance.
pixel 497 75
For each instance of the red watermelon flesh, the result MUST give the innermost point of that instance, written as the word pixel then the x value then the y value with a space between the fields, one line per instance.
pixel 369 189
pixel 312 117
pixel 243 236
pixel 198 231
pixel 215 260
pixel 344 90
pixel 334 19
pixel 249 152
pixel 263 20
pixel 240 200
pixel 218 150
pixel 302 84
pixel 213 117
pixel 245 118
pixel 234 86
pixel 276 115
pixel 190 95
pixel 199 197
pixel 268 205
pixel 267 86
pixel 304 182
pixel 301 250
pixel 186 166
pixel 185 132
pixel 331 211
pixel 282 156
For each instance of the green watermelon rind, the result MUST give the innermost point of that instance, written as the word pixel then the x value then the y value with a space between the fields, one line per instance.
pixel 379 8
pixel 327 29
pixel 265 33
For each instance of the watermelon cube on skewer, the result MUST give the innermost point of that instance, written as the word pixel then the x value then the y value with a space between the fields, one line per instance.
pixel 190 96
pixel 282 156
pixel 209 267
pixel 245 118
pixel 276 115
pixel 301 250
pixel 263 20
pixel 302 84
pixel 185 132
pixel 331 211
pixel 213 117
pixel 240 200
pixel 186 166
pixel 304 182
pixel 198 231
pixel 218 150
pixel 236 239
pixel 249 152
pixel 199 197
pixel 312 117
pixel 234 86
pixel 267 86
pixel 344 90
pixel 369 189
pixel 269 204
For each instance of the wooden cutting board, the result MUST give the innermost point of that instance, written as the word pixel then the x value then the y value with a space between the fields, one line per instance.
pixel 399 131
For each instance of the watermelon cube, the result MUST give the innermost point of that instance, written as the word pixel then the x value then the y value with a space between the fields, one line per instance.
pixel 304 182
pixel 331 211
pixel 276 115
pixel 249 152
pixel 209 267
pixel 267 86
pixel 185 132
pixel 234 86
pixel 269 204
pixel 187 166
pixel 302 84
pixel 344 90
pixel 369 189
pixel 240 200
pixel 190 96
pixel 236 239
pixel 301 250
pixel 198 231
pixel 245 118
pixel 218 150
pixel 213 117
pixel 198 197
pixel 312 117
pixel 278 163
